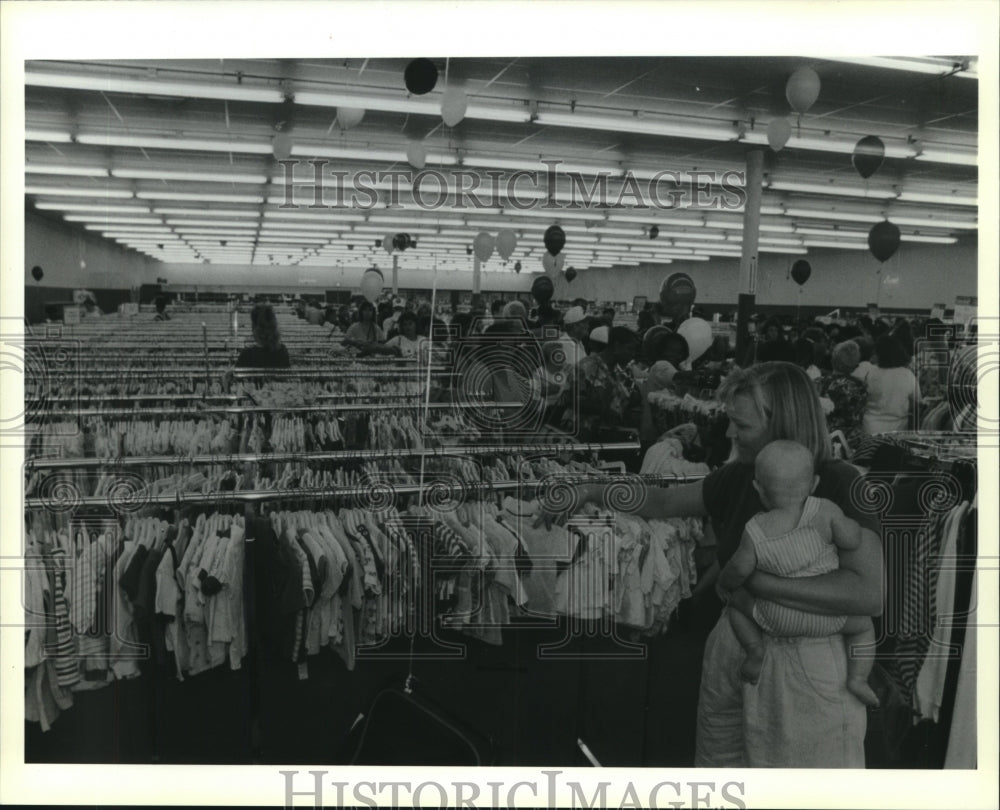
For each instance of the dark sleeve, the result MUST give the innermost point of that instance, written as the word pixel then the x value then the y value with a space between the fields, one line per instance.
pixel 245 359
pixel 130 576
pixel 714 487
pixel 836 484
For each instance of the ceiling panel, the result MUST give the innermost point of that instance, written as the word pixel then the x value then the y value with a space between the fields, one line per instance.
pixel 119 139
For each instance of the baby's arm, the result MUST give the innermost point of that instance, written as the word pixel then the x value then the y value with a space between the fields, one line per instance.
pixel 846 532
pixel 740 566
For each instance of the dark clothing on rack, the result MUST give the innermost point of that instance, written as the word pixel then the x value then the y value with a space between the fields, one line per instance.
pixel 263 357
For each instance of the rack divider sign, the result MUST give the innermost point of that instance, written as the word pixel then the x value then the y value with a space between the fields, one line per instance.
pixel 965 308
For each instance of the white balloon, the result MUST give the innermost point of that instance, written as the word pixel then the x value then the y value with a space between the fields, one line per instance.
pixel 548 262
pixel 416 154
pixel 483 246
pixel 281 146
pixel 560 261
pixel 349 117
pixel 698 334
pixel 371 284
pixel 454 103
pixel 506 243
pixel 387 243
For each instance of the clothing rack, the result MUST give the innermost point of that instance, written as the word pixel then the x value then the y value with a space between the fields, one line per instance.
pixel 255 496
pixel 242 409
pixel 330 455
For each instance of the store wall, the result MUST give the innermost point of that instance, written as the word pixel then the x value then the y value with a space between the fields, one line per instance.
pixel 109 271
pixel 915 278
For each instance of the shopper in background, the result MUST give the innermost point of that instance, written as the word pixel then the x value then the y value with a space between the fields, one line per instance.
pixel 575 331
pixel 805 353
pixel 365 333
pixel 646 319
pixel 673 353
pixel 893 392
pixel 608 316
pixel 596 397
pixel 598 339
pixel 389 324
pixel 848 394
pixel 867 348
pixel 407 343
pixel 161 309
pixel 268 351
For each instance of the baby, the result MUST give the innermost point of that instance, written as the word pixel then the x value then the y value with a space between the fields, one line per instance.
pixel 797 537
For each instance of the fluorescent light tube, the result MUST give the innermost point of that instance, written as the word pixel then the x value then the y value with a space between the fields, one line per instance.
pixel 831 188
pixel 193 197
pixel 68 171
pixel 942 198
pixel 963 158
pixel 844 245
pixel 155 142
pixel 152 87
pixel 208 223
pixel 918 222
pixel 840 216
pixel 194 177
pixel 99 209
pixel 113 220
pixel 208 212
pixel 935 65
pixel 934 240
pixel 648 126
pixel 48 135
pixel 109 193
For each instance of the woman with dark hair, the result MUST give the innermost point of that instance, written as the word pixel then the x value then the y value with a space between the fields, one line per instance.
pixel 800 714
pixel 892 390
pixel 268 351
pixel 365 334
pixel 161 309
pixel 407 343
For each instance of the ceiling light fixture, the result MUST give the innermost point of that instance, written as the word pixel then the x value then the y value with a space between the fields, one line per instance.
pixel 69 171
pixel 156 142
pixel 56 191
pixel 144 87
pixel 194 177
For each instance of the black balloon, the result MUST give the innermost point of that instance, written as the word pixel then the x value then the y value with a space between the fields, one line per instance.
pixel 883 240
pixel 801 271
pixel 555 239
pixel 541 289
pixel 37 273
pixel 652 342
pixel 570 274
pixel 868 155
pixel 420 76
pixel 654 232
pixel 517 267
pixel 468 250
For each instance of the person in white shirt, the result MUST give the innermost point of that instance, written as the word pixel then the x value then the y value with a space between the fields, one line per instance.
pixel 892 390
pixel 392 321
pixel 407 343
pixel 575 330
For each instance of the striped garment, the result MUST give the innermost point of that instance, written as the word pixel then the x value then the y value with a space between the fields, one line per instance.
pixel 64 650
pixel 802 552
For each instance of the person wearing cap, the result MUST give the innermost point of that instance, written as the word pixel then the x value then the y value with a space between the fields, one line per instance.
pixel 389 324
pixel 599 339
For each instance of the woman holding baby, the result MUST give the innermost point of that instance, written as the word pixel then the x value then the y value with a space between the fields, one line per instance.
pixel 799 711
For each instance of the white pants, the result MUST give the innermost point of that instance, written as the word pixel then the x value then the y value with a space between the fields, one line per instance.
pixel 799 715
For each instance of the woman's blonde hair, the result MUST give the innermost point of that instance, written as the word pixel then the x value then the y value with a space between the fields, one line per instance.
pixel 786 400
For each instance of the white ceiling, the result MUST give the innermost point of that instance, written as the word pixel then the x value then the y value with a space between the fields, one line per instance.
pixel 179 154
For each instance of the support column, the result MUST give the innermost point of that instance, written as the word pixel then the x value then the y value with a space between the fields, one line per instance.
pixel 395 274
pixel 750 253
pixel 476 275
